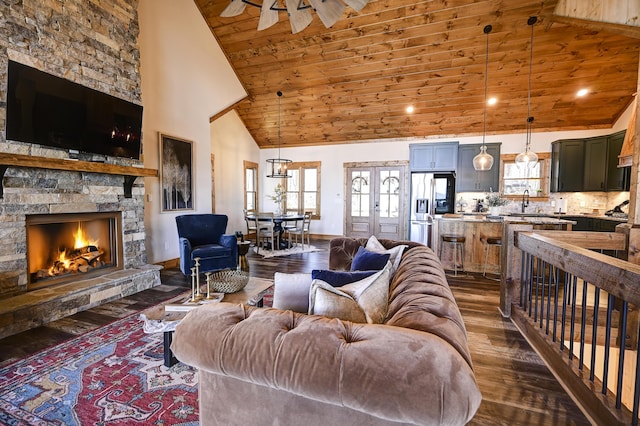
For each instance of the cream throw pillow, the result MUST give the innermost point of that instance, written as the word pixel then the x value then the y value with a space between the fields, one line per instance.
pixel 291 291
pixel 395 253
pixel 363 301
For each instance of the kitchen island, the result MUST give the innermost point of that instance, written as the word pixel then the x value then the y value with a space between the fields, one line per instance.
pixel 477 228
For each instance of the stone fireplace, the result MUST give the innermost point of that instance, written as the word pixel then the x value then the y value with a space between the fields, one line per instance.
pixel 38 181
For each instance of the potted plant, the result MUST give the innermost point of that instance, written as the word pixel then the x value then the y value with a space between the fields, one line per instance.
pixel 495 200
pixel 278 198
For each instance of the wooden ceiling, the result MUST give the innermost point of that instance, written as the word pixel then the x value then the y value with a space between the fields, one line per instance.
pixel 352 82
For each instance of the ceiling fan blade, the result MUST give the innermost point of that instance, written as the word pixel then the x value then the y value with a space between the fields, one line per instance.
pixel 268 16
pixel 356 5
pixel 234 9
pixel 329 11
pixel 299 18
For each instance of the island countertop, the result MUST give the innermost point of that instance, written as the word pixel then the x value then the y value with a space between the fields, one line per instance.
pixel 534 220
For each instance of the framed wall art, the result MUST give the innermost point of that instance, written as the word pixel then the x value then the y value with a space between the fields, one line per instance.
pixel 176 173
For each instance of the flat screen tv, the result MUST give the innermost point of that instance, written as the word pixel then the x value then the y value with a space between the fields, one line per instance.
pixel 51 111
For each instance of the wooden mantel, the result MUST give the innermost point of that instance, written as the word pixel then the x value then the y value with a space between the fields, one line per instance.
pixel 130 173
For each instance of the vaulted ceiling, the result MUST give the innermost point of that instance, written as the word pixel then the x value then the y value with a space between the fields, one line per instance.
pixel 353 81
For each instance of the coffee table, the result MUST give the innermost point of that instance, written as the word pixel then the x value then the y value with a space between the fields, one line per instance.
pixel 157 320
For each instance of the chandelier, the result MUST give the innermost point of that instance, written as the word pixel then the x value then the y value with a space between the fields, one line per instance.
pixel 278 166
pixel 299 12
pixel 484 160
pixel 528 158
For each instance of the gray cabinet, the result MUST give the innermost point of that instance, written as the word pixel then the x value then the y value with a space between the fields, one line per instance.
pixel 618 178
pixel 470 180
pixel 433 157
pixel 567 165
pixel 595 164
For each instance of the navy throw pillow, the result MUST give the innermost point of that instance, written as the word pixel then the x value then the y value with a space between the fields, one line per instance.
pixel 366 260
pixel 340 278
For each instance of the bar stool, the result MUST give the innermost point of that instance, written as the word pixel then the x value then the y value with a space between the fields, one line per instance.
pixel 490 242
pixel 458 242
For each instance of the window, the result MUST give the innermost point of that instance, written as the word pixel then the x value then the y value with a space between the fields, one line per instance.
pixel 250 186
pixel 303 189
pixel 515 180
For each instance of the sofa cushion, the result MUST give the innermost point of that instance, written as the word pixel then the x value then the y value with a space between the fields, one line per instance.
pixel 395 253
pixel 340 278
pixel 361 301
pixel 366 260
pixel 291 291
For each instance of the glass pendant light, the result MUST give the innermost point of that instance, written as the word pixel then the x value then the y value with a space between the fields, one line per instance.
pixel 528 158
pixel 484 160
pixel 278 166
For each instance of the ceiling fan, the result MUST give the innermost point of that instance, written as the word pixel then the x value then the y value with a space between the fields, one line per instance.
pixel 329 11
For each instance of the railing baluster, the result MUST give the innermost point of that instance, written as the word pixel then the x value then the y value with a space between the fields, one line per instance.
pixel 583 323
pixel 548 295
pixel 523 279
pixel 607 343
pixel 574 285
pixel 556 278
pixel 565 296
pixel 622 333
pixel 536 274
pixel 636 389
pixel 530 282
pixel 594 333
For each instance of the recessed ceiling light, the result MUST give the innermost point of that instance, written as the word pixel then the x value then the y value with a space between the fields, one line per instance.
pixel 582 92
pixel 492 101
pixel 409 109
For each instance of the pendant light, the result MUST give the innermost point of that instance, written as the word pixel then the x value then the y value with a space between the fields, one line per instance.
pixel 279 166
pixel 528 158
pixel 484 160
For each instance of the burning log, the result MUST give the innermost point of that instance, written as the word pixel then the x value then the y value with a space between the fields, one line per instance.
pixel 81 260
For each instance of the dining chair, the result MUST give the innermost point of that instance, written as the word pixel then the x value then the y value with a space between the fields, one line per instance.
pixel 251 225
pixel 265 231
pixel 301 230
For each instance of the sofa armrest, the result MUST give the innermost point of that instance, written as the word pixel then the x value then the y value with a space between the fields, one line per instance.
pixel 185 255
pixel 389 372
pixel 231 241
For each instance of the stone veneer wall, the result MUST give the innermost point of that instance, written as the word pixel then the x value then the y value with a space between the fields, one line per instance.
pixel 94 44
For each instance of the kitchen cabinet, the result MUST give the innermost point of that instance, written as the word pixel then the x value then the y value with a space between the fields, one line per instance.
pixel 588 165
pixel 618 178
pixel 596 224
pixel 595 169
pixel 470 180
pixel 433 157
pixel 567 165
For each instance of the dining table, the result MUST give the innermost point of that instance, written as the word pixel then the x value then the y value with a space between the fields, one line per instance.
pixel 278 220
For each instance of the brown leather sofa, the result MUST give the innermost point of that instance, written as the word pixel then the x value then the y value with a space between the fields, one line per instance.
pixel 268 366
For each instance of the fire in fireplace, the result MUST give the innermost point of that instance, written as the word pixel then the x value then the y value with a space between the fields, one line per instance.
pixel 65 247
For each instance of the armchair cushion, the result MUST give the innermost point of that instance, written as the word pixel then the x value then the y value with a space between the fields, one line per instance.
pixel 203 236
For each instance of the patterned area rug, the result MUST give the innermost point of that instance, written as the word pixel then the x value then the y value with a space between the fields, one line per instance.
pixel 110 376
pixel 296 249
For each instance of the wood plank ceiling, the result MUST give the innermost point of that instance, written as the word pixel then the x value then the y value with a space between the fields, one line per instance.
pixel 352 82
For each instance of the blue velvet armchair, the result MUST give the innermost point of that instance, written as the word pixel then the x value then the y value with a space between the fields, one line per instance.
pixel 203 236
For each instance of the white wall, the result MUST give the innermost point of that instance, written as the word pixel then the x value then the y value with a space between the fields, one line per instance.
pixel 232 145
pixel 185 80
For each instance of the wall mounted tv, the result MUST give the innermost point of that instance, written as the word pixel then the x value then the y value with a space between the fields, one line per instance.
pixel 49 110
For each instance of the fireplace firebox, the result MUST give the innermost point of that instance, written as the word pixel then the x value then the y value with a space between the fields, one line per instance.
pixel 72 246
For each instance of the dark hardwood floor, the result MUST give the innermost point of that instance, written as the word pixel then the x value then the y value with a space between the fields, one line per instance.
pixel 517 387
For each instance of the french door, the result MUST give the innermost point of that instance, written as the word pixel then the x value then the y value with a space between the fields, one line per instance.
pixel 375 200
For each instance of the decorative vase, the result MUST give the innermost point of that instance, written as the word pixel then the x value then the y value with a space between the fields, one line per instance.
pixel 278 211
pixel 494 210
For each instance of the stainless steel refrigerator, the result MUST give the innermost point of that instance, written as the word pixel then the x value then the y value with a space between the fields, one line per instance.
pixel 431 194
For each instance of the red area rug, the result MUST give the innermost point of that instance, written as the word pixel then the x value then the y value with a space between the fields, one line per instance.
pixel 111 376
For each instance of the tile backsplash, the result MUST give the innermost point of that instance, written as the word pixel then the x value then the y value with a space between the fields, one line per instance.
pixel 577 202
